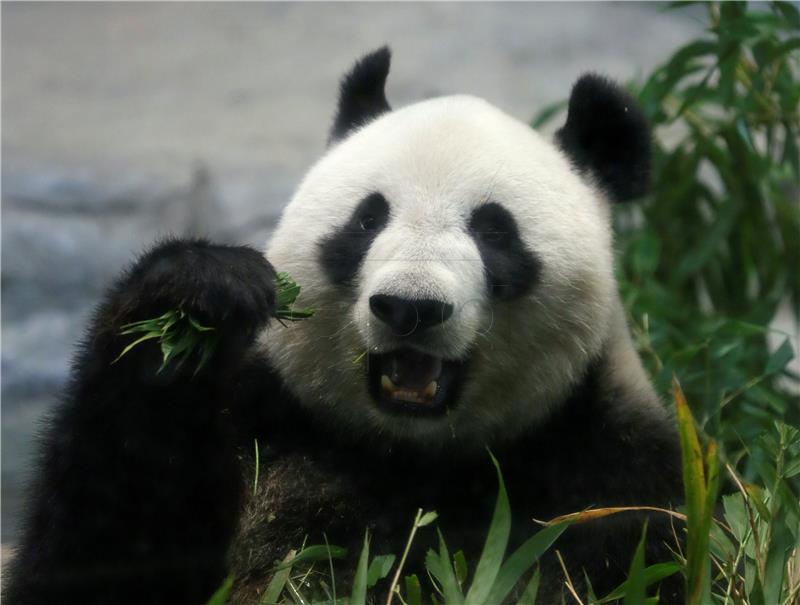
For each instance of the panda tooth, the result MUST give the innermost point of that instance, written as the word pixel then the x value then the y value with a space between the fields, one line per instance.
pixel 387 384
pixel 430 390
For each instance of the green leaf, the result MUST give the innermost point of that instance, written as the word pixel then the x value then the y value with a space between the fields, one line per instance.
pixel 636 584
pixel 413 590
pixel 220 597
pixel 646 253
pixel 755 497
pixel 317 552
pixel 136 342
pixel 528 596
pixel 276 585
pixel 460 565
pixel 441 569
pixel 778 556
pixel 698 495
pixel 179 336
pixel 495 546
pixel 789 12
pixel 358 595
pixel 286 292
pixel 652 575
pixel 522 560
pixel 197 325
pixel 427 519
pixel 379 568
pixel 780 358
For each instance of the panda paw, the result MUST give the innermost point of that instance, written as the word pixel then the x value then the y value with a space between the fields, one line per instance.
pixel 229 288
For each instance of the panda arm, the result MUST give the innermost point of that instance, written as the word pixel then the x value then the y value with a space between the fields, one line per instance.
pixel 137 491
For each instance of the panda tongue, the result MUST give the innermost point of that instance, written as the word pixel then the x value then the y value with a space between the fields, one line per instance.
pixel 410 369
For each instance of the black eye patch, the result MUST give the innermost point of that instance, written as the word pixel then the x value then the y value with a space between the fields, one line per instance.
pixel 511 269
pixel 342 252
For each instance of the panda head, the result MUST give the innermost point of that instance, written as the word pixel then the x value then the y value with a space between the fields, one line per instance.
pixel 459 262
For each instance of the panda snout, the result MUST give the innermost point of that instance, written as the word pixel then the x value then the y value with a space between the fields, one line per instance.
pixel 406 316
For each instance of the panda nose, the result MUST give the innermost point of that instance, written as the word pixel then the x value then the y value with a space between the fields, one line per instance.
pixel 405 316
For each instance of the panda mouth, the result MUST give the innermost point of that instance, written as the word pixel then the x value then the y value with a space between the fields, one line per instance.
pixel 408 381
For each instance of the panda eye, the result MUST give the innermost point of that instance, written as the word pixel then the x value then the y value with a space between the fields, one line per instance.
pixel 492 225
pixel 368 222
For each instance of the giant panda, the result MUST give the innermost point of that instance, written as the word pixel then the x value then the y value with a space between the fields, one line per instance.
pixel 461 269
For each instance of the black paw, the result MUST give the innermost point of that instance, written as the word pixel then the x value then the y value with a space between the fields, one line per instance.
pixel 228 288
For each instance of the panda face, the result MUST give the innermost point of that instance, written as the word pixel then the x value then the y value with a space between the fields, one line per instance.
pixel 461 270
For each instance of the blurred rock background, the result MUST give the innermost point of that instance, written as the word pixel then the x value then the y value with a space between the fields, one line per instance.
pixel 122 122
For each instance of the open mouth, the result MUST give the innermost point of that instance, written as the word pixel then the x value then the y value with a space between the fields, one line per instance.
pixel 408 381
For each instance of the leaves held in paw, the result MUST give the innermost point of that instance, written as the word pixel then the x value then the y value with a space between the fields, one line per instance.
pixel 178 334
pixel 287 292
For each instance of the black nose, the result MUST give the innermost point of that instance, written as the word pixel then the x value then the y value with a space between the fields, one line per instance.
pixel 407 316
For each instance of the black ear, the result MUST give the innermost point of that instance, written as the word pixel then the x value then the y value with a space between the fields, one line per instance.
pixel 607 134
pixel 361 93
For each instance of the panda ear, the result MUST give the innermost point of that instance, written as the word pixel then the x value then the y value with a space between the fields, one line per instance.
pixel 361 93
pixel 607 135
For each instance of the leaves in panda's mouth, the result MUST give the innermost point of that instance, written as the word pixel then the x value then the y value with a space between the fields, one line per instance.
pixel 287 292
pixel 178 334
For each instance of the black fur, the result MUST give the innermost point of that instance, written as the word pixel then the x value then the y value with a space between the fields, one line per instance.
pixel 136 494
pixel 511 269
pixel 607 134
pixel 342 252
pixel 316 481
pixel 138 491
pixel 361 93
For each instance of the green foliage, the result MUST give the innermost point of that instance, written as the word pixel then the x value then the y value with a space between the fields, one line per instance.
pixel 700 482
pixel 711 254
pixel 178 334
pixel 181 336
pixel 287 292
pixel 636 586
pixel 495 576
pixel 220 597
pixel 755 549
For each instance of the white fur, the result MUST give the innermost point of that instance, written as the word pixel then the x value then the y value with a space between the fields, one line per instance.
pixel 434 162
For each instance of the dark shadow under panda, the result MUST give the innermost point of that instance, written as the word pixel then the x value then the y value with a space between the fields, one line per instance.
pixel 461 268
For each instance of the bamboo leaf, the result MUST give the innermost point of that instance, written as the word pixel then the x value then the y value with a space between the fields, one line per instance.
pixel 495 546
pixel 446 576
pixel 220 597
pixel 358 595
pixel 531 590
pixel 413 590
pixel 272 594
pixel 636 584
pixel 379 568
pixel 427 519
pixel 652 575
pixel 460 565
pixel 317 552
pixel 695 494
pixel 522 560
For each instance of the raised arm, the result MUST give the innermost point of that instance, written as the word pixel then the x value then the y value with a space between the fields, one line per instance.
pixel 136 493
